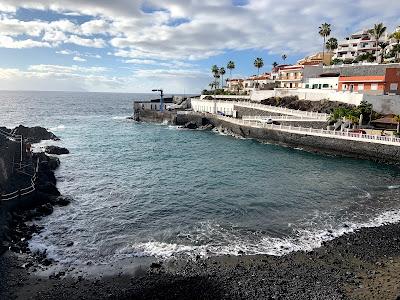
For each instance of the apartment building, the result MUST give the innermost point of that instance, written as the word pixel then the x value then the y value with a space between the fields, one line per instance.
pixel 291 77
pixel 356 44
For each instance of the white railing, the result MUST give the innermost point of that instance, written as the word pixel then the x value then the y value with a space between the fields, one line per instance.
pixel 318 132
pixel 282 118
pixel 283 110
pixel 25 191
pixel 13 137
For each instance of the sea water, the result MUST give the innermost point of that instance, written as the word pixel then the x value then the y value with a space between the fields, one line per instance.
pixel 143 189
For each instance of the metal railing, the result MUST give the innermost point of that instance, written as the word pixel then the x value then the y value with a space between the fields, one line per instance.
pixel 25 191
pixel 15 138
pixel 282 118
pixel 283 110
pixel 387 140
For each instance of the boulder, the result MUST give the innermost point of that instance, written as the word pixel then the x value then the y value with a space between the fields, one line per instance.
pixel 56 150
pixel 191 125
pixel 34 134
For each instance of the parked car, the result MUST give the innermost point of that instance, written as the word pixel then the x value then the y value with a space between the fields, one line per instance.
pixel 358 131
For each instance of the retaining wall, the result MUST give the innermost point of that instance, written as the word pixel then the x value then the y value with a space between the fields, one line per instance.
pixel 355 149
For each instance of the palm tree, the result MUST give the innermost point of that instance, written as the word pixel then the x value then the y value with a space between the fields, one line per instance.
pixel 215 72
pixel 383 46
pixel 396 51
pixel 258 63
pixel 367 56
pixel 324 31
pixel 274 64
pixel 230 66
pixel 284 57
pixel 331 44
pixel 396 36
pixel 222 73
pixel 397 120
pixel 377 32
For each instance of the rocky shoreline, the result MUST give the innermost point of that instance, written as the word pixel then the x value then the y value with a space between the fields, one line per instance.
pixel 360 265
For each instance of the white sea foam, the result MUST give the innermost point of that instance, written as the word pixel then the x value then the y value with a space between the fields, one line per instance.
pixel 393 187
pixel 58 128
pixel 120 117
pixel 305 240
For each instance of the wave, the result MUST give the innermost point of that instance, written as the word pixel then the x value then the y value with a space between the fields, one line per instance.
pixel 58 128
pixel 393 187
pixel 305 240
pixel 121 117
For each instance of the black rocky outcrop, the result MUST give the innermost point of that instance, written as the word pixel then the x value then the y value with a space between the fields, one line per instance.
pixel 56 150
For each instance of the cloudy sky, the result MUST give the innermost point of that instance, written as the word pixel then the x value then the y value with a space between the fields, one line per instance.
pixel 136 45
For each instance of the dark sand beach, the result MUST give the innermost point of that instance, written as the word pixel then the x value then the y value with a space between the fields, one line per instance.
pixel 360 265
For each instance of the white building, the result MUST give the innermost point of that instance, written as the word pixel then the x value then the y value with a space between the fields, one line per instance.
pixel 356 44
pixel 212 106
pixel 322 83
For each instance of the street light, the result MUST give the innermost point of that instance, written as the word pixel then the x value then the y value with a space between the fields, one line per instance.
pixel 161 98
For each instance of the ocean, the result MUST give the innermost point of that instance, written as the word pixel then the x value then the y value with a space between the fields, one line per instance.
pixel 143 189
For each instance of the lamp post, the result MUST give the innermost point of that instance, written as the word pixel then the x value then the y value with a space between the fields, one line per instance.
pixel 161 98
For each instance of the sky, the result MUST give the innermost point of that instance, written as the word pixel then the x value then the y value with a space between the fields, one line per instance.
pixel 138 45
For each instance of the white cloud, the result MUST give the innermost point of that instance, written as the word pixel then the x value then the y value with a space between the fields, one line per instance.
pixel 65 69
pixel 94 43
pixel 8 42
pixel 77 58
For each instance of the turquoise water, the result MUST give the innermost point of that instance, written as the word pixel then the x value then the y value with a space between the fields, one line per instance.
pixel 144 189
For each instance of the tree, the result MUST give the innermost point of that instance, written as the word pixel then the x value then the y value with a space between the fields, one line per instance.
pixel 230 66
pixel 274 64
pixel 353 119
pixel 258 63
pixel 367 56
pixel 396 52
pixel 383 46
pixel 377 32
pixel 396 36
pixel 336 61
pixel 397 120
pixel 222 73
pixel 215 72
pixel 324 31
pixel 331 44
pixel 365 109
pixel 284 57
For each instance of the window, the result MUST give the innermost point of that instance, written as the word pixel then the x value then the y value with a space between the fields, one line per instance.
pixel 394 87
pixel 307 86
pixel 361 87
pixel 374 87
pixel 325 85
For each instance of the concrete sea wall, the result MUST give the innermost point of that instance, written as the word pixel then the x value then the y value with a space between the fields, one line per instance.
pixel 155 116
pixel 355 149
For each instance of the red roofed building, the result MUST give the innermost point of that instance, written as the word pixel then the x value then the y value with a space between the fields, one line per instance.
pixel 373 84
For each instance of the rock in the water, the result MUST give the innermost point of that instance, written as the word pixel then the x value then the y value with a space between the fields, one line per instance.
pixel 191 125
pixel 56 150
pixel 34 134
pixel 62 201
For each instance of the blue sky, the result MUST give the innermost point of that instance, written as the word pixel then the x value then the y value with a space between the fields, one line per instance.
pixel 136 45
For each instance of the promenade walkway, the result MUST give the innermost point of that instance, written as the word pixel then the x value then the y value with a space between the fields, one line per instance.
pixel 287 118
pixel 283 110
pixel 345 135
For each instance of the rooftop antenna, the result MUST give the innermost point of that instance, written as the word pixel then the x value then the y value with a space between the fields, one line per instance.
pixel 161 98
